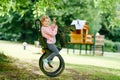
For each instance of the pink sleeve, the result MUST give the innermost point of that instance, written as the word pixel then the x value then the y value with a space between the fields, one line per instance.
pixel 49 31
pixel 44 34
pixel 54 29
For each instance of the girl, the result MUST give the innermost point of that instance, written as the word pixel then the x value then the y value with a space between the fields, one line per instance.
pixel 49 33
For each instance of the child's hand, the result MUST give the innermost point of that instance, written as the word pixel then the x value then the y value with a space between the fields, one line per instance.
pixel 54 21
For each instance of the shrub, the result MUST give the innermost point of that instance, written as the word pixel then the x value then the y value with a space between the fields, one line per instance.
pixel 116 46
pixel 116 34
pixel 111 46
pixel 108 45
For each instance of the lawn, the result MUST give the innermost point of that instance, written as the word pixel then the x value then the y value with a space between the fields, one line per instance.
pixel 10 71
pixel 78 67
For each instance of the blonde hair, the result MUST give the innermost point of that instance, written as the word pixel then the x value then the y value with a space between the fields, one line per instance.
pixel 43 18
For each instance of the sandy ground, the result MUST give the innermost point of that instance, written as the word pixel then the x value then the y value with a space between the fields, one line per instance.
pixel 32 55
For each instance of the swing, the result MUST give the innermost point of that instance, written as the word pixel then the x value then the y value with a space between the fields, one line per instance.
pixel 58 64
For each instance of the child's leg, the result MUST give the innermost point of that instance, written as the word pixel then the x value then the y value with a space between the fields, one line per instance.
pixel 54 50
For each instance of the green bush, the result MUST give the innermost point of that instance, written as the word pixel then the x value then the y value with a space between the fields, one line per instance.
pixel 115 47
pixel 108 45
pixel 116 34
pixel 111 46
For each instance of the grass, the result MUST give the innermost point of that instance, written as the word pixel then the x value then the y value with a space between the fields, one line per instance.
pixel 96 73
pixel 12 69
pixel 9 71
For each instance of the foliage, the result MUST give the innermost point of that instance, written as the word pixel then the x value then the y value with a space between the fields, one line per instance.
pixel 108 12
pixel 116 47
pixel 109 16
pixel 108 45
pixel 71 10
pixel 111 46
pixel 22 17
pixel 18 27
pixel 23 13
pixel 116 34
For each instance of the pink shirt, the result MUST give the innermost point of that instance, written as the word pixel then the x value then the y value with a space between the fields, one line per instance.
pixel 49 33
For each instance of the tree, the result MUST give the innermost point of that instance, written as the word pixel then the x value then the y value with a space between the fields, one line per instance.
pixel 24 12
pixel 17 19
pixel 108 10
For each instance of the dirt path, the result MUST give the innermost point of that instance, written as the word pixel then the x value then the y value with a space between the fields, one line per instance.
pixel 32 54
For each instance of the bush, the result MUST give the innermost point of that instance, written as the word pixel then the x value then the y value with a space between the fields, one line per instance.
pixel 108 45
pixel 116 46
pixel 116 34
pixel 111 46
